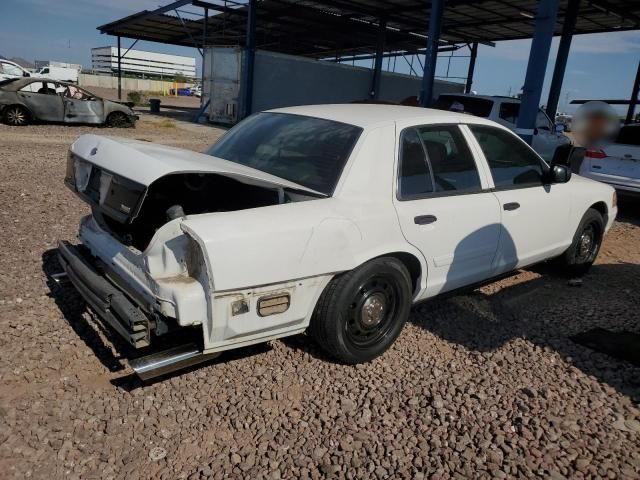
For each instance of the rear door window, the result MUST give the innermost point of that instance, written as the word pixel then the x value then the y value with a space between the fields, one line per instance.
pixel 35 87
pixel 453 166
pixel 436 160
pixel 415 175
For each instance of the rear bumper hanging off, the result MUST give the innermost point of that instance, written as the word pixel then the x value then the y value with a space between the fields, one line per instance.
pixel 105 299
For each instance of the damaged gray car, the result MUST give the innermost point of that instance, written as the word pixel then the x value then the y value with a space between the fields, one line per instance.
pixel 27 100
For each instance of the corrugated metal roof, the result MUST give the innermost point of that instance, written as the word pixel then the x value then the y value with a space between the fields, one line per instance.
pixel 324 29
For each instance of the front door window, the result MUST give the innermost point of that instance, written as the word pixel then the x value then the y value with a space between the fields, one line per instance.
pixel 512 163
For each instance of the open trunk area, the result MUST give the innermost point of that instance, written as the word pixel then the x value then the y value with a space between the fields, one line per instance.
pixel 176 195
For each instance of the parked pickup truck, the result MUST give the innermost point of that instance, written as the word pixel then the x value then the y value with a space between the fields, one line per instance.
pixel 547 136
pixel 332 219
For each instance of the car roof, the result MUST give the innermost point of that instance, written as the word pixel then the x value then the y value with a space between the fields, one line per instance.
pixel 367 115
pixel 18 83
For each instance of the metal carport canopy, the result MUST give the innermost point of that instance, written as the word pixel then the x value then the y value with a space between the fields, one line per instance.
pixel 336 28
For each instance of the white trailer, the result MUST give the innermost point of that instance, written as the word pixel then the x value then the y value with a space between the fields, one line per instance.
pixel 287 80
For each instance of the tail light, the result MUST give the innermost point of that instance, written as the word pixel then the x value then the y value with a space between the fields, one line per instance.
pixel 595 154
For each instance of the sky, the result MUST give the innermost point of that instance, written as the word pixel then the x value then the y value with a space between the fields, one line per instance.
pixel 599 66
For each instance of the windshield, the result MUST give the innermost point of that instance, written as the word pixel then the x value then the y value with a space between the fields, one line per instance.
pixel 309 151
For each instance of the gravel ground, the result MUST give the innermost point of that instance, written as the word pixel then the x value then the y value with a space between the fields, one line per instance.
pixel 486 385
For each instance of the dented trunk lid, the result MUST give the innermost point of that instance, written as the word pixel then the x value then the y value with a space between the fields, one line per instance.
pixel 113 174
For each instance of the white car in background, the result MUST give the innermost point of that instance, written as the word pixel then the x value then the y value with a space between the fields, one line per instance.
pixel 616 163
pixel 10 70
pixel 547 136
pixel 331 218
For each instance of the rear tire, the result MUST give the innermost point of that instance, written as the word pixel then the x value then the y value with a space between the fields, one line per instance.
pixel 579 257
pixel 16 116
pixel 118 120
pixel 362 312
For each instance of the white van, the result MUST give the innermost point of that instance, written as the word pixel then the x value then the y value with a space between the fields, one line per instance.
pixel 64 74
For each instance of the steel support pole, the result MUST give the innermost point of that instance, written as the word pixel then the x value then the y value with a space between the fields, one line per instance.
pixel 633 101
pixel 204 44
pixel 431 54
pixel 250 52
pixel 119 72
pixel 377 69
pixel 472 67
pixel 538 58
pixel 570 18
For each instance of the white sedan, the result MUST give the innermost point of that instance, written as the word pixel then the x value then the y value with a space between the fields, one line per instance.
pixel 332 218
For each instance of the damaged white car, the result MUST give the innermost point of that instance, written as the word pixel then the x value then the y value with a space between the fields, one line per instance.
pixel 332 218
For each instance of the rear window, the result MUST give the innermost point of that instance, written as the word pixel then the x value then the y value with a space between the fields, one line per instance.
pixel 309 151
pixel 480 107
pixel 629 135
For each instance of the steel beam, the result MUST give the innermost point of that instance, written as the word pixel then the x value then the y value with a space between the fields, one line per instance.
pixel 633 101
pixel 570 18
pixel 472 67
pixel 204 44
pixel 431 55
pixel 119 72
pixel 250 54
pixel 377 69
pixel 538 58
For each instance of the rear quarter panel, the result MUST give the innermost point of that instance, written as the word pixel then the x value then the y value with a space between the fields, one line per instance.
pixel 316 237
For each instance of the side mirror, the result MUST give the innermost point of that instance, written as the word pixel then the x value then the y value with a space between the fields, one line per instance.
pixel 560 127
pixel 569 156
pixel 559 174
pixel 26 74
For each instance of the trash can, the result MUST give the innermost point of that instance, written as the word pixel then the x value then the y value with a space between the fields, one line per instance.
pixel 154 105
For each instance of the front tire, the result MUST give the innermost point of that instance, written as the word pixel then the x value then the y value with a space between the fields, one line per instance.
pixel 118 120
pixel 16 116
pixel 579 257
pixel 362 312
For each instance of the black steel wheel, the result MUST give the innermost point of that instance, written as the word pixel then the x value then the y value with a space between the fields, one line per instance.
pixel 588 243
pixel 372 311
pixel 362 312
pixel 118 120
pixel 16 116
pixel 579 257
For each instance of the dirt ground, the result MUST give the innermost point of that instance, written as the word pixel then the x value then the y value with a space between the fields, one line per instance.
pixel 486 385
pixel 169 100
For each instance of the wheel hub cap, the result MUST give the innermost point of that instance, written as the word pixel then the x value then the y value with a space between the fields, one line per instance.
pixel 16 116
pixel 585 243
pixel 373 310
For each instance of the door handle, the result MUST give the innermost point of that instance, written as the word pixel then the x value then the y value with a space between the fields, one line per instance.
pixel 511 206
pixel 424 219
